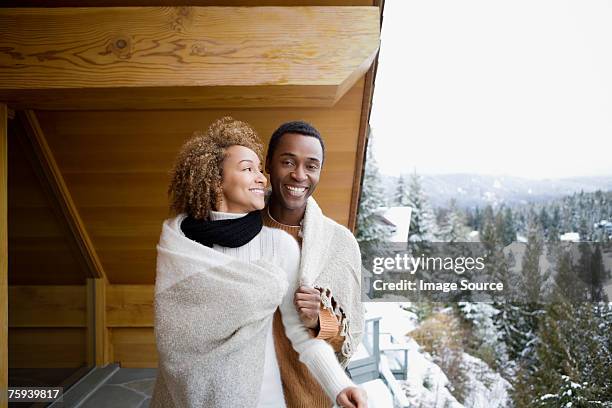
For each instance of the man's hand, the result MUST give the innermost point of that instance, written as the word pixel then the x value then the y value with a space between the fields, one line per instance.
pixel 352 397
pixel 308 303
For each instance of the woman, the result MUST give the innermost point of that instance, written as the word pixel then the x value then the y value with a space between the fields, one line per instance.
pixel 220 277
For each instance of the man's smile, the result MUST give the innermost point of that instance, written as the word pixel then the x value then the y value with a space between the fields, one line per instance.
pixel 295 191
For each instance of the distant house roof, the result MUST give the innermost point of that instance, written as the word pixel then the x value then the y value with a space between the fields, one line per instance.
pixel 570 236
pixel 399 219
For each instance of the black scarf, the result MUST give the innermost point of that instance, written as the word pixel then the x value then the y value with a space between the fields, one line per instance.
pixel 231 233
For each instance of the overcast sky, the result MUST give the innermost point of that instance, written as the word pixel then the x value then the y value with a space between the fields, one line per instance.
pixel 521 88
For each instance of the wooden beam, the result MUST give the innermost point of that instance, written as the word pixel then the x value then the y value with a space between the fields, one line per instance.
pixel 362 141
pixel 157 98
pixel 96 323
pixel 364 128
pixel 91 322
pixel 3 255
pixel 55 180
pixel 183 57
pixel 166 3
pixel 101 336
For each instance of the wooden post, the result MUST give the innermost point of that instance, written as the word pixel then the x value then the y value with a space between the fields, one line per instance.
pixel 96 322
pixel 3 255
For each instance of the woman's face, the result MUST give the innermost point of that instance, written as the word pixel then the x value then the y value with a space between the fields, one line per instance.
pixel 243 184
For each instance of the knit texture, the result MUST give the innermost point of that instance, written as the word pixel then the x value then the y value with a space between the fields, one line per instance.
pixel 224 375
pixel 331 260
pixel 210 329
pixel 301 389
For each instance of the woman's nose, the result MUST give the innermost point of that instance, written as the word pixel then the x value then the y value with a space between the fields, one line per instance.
pixel 261 178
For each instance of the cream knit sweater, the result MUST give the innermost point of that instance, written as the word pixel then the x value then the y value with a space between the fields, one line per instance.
pixel 280 248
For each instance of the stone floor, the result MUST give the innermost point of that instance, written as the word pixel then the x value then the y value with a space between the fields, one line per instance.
pixel 127 388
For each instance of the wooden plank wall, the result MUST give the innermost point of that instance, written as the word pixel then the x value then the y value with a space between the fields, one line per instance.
pixel 116 165
pixel 47 326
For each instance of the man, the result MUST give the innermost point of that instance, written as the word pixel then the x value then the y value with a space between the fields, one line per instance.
pixel 328 299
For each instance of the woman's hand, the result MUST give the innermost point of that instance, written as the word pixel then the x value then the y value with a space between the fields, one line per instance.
pixel 352 397
pixel 308 303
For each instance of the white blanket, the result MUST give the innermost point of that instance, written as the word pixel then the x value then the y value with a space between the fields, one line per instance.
pixel 331 259
pixel 210 328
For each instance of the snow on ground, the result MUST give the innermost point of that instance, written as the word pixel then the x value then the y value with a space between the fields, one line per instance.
pixel 395 320
pixel 379 395
pixel 426 385
pixel 487 389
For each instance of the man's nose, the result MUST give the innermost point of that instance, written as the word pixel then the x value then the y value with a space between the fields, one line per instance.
pixel 299 174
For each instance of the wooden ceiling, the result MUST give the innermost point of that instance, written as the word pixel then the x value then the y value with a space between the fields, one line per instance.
pixel 176 3
pixel 183 57
pixel 117 90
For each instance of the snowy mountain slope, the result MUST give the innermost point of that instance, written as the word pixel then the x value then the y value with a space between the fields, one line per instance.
pixel 480 190
pixel 426 385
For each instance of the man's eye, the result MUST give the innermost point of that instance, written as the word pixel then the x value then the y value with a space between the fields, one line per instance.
pixel 313 167
pixel 248 168
pixel 287 163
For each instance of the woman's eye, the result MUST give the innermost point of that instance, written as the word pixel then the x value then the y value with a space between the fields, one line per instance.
pixel 248 168
pixel 287 163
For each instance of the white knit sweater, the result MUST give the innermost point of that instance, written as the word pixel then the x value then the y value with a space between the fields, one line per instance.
pixel 281 249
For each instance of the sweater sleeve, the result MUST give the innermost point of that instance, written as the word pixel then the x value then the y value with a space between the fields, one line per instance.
pixel 328 325
pixel 329 329
pixel 316 354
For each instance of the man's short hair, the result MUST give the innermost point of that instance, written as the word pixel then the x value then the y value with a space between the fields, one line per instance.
pixel 297 126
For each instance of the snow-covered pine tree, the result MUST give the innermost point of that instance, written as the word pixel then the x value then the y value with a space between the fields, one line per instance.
pixel 422 226
pixel 400 198
pixel 488 233
pixel 568 394
pixel 574 361
pixel 531 274
pixel 553 355
pixel 568 287
pixel 555 224
pixel 598 276
pixel 508 232
pixel 372 198
pixel 453 227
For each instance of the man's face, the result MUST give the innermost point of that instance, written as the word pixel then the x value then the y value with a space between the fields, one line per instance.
pixel 294 169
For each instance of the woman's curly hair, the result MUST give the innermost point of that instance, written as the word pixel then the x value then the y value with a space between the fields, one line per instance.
pixel 197 173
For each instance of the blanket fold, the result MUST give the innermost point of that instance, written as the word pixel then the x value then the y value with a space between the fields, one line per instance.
pixel 211 318
pixel 331 261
